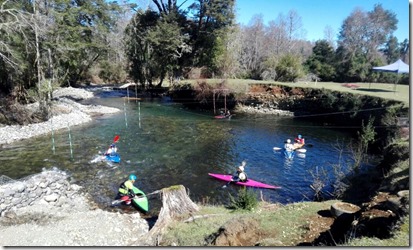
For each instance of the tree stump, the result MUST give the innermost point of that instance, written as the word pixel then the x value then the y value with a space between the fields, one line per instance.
pixel 175 202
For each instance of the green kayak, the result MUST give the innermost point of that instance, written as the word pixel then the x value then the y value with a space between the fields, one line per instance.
pixel 141 201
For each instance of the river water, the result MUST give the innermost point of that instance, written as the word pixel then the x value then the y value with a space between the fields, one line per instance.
pixel 165 144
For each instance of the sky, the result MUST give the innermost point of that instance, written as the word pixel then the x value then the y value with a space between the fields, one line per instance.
pixel 317 14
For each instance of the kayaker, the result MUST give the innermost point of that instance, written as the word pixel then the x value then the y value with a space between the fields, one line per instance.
pixel 112 149
pixel 240 174
pixel 288 145
pixel 299 139
pixel 126 188
pixel 299 142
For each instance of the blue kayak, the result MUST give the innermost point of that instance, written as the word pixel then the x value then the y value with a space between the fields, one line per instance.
pixel 113 158
pixel 289 153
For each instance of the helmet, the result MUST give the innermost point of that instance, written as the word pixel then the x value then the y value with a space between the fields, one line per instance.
pixel 241 168
pixel 112 145
pixel 288 141
pixel 132 177
pixel 299 136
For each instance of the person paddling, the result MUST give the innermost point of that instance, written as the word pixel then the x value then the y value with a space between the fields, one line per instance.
pixel 299 142
pixel 126 188
pixel 112 149
pixel 240 174
pixel 288 146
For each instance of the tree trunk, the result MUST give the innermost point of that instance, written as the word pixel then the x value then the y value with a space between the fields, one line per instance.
pixel 175 202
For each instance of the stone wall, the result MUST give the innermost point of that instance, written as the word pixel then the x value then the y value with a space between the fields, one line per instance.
pixel 47 188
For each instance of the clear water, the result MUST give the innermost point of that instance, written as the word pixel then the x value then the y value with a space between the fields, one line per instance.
pixel 165 144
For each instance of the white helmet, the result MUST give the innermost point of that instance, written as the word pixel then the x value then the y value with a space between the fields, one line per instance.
pixel 288 141
pixel 241 168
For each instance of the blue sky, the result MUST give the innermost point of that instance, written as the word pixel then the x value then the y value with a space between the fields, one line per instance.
pixel 317 14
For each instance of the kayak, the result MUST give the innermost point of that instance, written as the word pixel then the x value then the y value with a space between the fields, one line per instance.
pixel 113 158
pixel 249 182
pixel 222 116
pixel 140 200
pixel 289 153
pixel 299 150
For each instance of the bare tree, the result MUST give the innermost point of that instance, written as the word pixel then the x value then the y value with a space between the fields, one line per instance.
pixel 329 36
pixel 253 52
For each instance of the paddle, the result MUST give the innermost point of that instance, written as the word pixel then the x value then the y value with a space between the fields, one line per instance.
pixel 116 139
pixel 299 150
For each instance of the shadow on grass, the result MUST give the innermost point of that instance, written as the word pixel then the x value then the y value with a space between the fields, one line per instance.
pixel 374 90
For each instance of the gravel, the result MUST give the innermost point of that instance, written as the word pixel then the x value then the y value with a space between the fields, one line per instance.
pixel 66 112
pixel 79 222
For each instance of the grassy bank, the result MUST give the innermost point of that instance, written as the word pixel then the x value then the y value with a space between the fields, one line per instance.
pixel 382 90
pixel 295 224
pixel 280 225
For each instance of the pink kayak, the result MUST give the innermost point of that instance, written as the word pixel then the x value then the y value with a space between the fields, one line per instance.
pixel 249 182
pixel 222 116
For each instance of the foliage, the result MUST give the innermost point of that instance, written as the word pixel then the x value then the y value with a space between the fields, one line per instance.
pixel 365 137
pixel 52 43
pixel 321 62
pixel 163 43
pixel 289 68
pixel 361 35
pixel 246 200
pixel 111 72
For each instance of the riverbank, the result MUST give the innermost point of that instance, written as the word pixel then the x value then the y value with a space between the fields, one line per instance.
pixel 66 112
pixel 47 210
pixel 37 225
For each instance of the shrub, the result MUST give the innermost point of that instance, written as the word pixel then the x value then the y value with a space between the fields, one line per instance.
pixel 246 200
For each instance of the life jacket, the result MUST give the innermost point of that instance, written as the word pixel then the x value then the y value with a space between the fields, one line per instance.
pixel 123 188
pixel 300 141
pixel 245 174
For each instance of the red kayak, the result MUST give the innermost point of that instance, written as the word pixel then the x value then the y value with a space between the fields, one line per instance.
pixel 222 116
pixel 249 182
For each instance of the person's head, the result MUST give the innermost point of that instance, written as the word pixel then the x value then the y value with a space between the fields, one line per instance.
pixel 112 145
pixel 240 168
pixel 288 141
pixel 132 177
pixel 299 136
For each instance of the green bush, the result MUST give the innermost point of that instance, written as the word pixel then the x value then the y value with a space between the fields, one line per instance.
pixel 246 200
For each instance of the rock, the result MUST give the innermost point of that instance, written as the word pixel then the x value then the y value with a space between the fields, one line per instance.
pixel 19 187
pixel 51 197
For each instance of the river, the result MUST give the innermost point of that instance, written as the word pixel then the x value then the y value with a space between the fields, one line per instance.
pixel 165 144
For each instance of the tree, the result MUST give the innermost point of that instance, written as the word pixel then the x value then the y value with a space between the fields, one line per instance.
pixel 138 48
pixel 252 52
pixel 49 43
pixel 329 36
pixel 391 50
pixel 211 17
pixel 361 35
pixel 168 44
pixel 321 62
pixel 404 50
pixel 289 68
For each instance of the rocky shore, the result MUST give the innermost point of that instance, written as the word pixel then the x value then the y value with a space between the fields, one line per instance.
pixel 46 209
pixel 66 111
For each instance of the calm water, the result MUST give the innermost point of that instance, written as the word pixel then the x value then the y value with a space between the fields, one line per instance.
pixel 165 144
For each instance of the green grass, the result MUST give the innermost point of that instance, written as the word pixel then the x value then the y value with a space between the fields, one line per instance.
pixel 382 90
pixel 284 224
